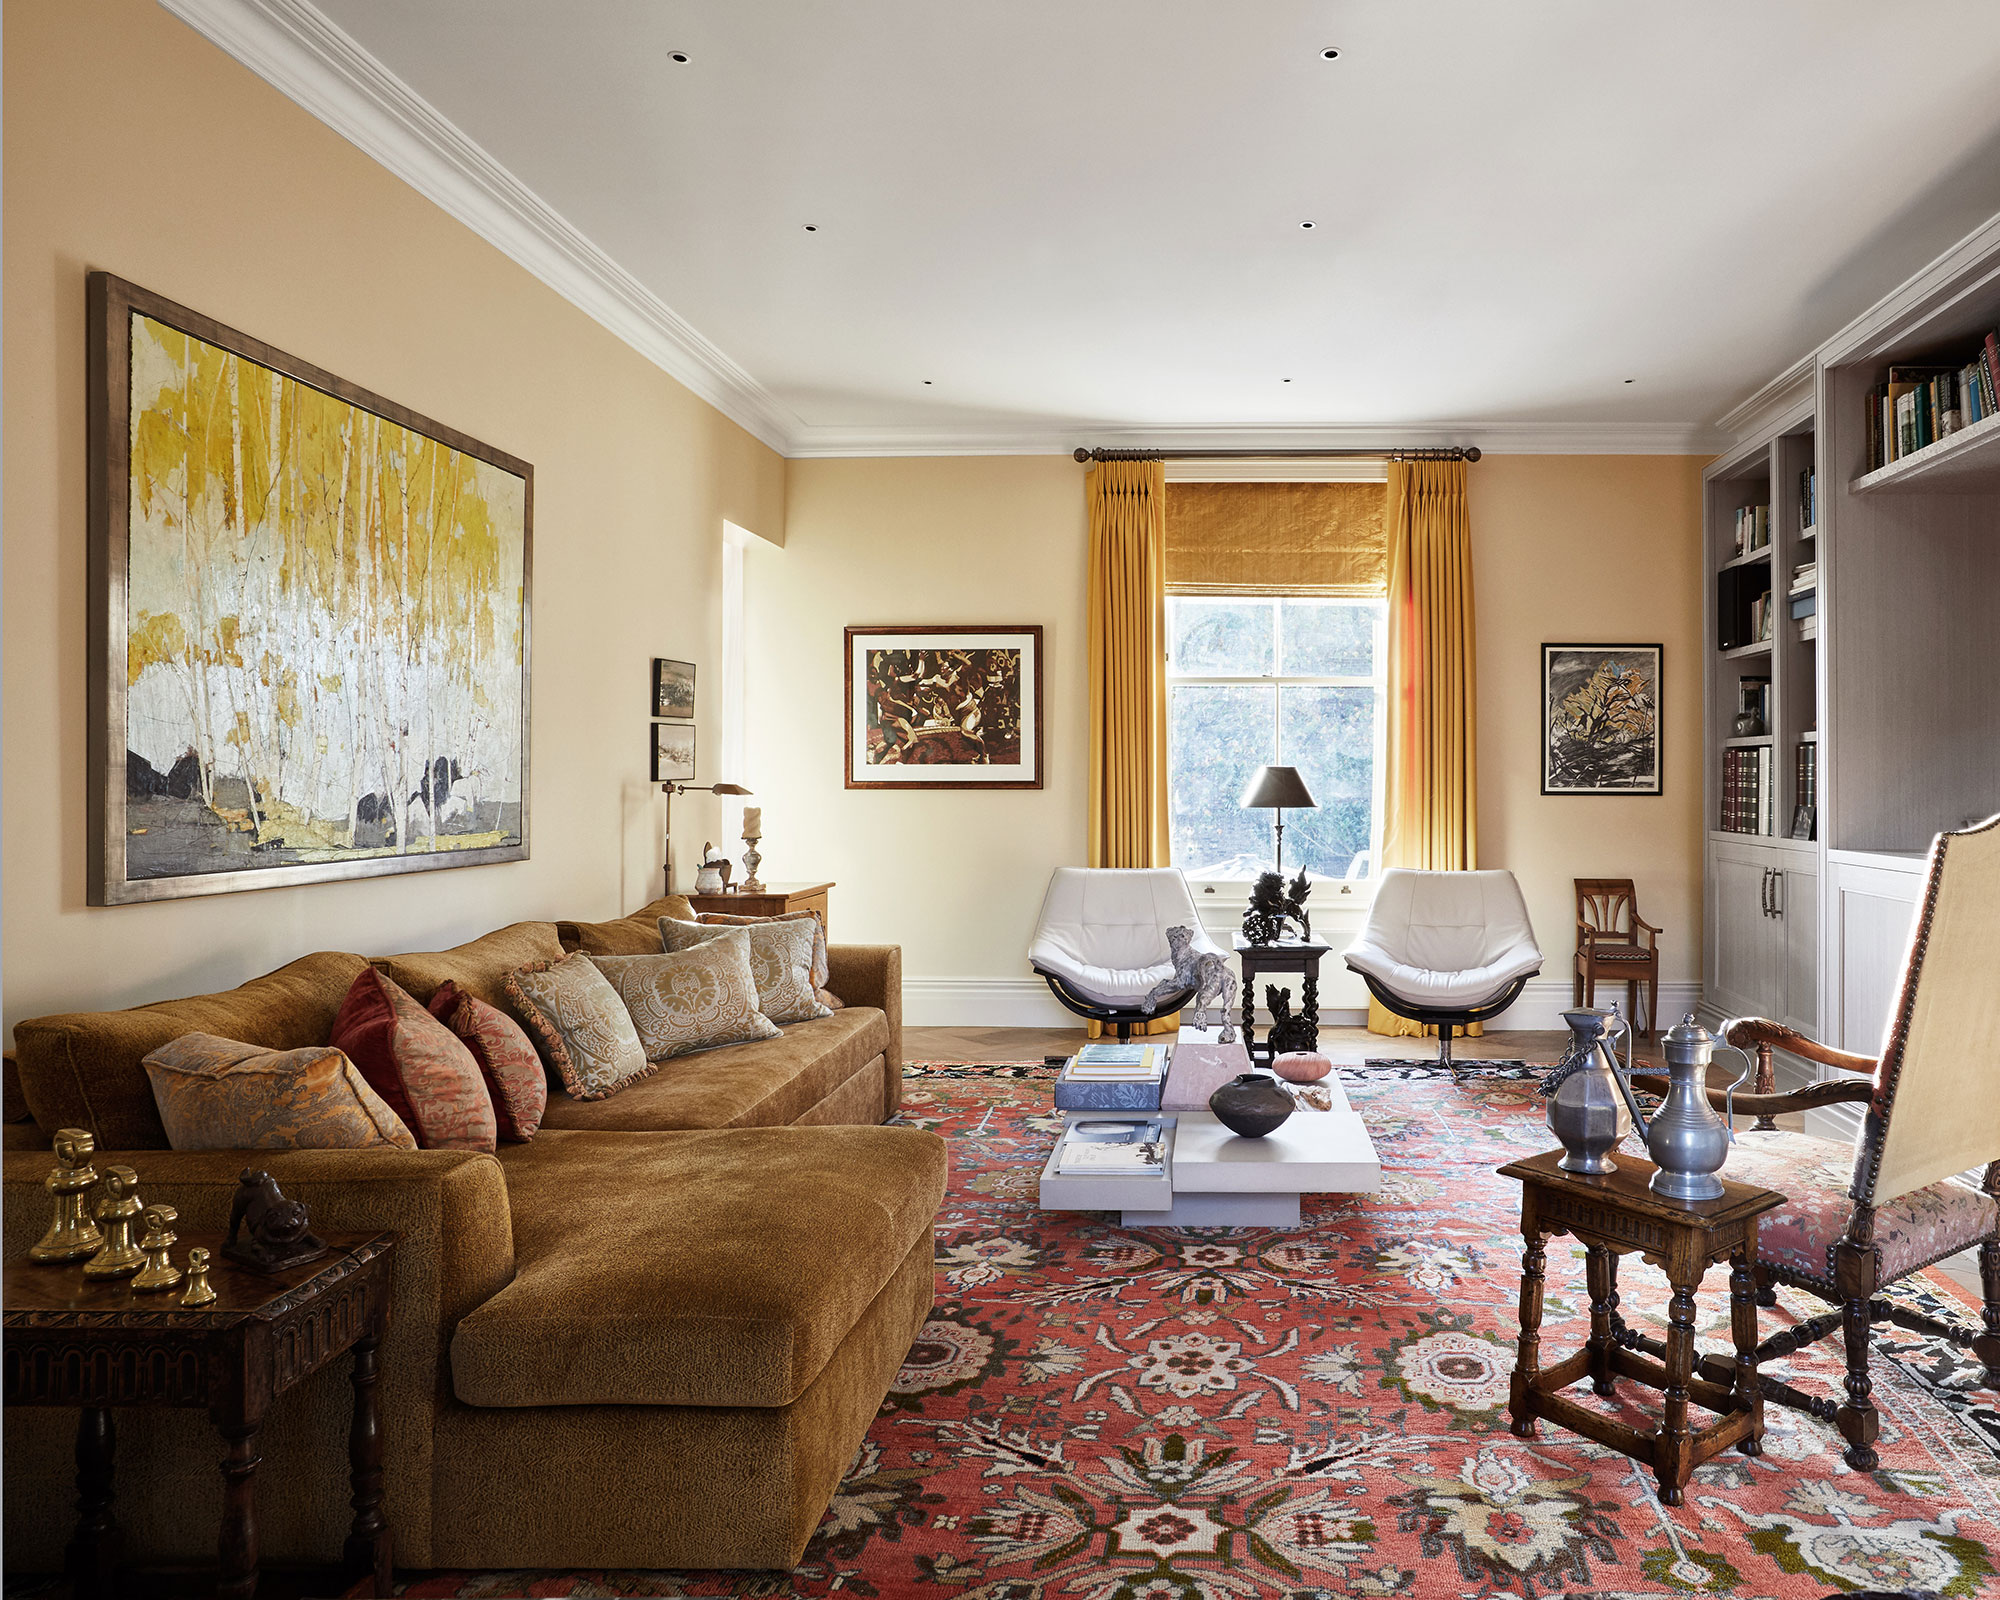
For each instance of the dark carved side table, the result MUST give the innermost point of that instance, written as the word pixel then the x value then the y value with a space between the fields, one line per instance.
pixel 1614 1215
pixel 1287 955
pixel 99 1345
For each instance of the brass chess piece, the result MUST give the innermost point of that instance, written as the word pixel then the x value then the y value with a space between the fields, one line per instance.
pixel 199 1291
pixel 72 1236
pixel 120 1257
pixel 159 1272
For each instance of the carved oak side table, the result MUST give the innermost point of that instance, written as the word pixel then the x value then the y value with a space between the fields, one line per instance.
pixel 99 1345
pixel 1287 956
pixel 1614 1215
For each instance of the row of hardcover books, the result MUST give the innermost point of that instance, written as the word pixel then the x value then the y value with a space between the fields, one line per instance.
pixel 1917 406
pixel 1749 798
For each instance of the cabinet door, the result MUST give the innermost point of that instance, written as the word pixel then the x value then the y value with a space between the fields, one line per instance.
pixel 1747 939
pixel 1797 899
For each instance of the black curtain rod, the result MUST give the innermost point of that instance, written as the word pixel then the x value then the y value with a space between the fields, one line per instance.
pixel 1454 452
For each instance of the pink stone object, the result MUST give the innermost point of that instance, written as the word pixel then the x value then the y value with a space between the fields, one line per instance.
pixel 1302 1066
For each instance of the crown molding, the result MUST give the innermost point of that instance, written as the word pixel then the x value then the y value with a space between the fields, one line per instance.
pixel 1035 438
pixel 1773 406
pixel 306 58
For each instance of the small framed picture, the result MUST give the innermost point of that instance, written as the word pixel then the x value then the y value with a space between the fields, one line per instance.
pixel 673 689
pixel 1601 719
pixel 944 707
pixel 1804 822
pixel 673 752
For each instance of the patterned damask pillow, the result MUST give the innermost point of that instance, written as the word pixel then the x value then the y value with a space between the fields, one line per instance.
pixel 580 1025
pixel 781 962
pixel 822 968
pixel 219 1094
pixel 692 999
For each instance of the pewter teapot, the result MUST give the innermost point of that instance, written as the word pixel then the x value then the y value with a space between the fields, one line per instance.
pixel 1687 1141
pixel 1590 1104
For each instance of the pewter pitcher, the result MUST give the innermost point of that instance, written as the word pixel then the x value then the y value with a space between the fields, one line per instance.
pixel 1687 1141
pixel 1590 1104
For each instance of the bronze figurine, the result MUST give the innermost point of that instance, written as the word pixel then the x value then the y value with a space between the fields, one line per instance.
pixel 278 1229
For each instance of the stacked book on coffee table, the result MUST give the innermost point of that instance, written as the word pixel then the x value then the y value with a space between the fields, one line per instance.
pixel 1107 1075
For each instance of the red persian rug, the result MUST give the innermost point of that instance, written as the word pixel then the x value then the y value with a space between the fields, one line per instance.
pixel 1101 1414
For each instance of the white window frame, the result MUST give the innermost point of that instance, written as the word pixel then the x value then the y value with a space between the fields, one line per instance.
pixel 1377 680
pixel 735 670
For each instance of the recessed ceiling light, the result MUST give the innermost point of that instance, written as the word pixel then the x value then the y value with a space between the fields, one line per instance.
pixel 1306 224
pixel 1329 54
pixel 1631 380
pixel 678 57
pixel 812 227
pixel 927 383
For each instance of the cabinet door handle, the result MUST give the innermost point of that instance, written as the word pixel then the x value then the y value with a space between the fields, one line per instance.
pixel 1777 892
pixel 1764 893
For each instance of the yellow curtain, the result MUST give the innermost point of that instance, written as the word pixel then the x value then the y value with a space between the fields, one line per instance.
pixel 1431 785
pixel 1128 670
pixel 1276 538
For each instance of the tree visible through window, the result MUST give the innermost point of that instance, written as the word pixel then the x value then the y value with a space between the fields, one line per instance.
pixel 1262 680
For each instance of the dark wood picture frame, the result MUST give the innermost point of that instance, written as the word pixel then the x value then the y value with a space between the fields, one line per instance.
pixel 952 775
pixel 1656 785
pixel 110 303
pixel 668 687
pixel 655 765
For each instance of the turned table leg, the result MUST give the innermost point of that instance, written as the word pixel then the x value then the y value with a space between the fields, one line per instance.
pixel 1743 1330
pixel 1671 1463
pixel 1528 1348
pixel 1310 1002
pixel 1600 1272
pixel 1250 1014
pixel 93 1548
pixel 369 1545
pixel 237 1546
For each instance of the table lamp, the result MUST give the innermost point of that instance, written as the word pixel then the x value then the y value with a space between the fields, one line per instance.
pixel 1277 788
pixel 672 789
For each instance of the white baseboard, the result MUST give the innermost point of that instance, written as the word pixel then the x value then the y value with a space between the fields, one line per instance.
pixel 1026 1003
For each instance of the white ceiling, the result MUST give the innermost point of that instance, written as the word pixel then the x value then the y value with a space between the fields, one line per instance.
pixel 1080 221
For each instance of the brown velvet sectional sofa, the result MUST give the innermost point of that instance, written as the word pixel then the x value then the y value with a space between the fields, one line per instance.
pixel 652 1337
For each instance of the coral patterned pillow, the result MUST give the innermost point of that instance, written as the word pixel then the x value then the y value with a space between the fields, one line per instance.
pixel 514 1076
pixel 219 1094
pixel 580 1025
pixel 417 1064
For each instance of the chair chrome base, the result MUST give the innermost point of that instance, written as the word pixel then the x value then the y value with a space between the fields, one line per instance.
pixel 1447 1019
pixel 1123 1018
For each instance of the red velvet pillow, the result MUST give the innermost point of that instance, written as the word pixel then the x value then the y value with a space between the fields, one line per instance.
pixel 515 1076
pixel 417 1064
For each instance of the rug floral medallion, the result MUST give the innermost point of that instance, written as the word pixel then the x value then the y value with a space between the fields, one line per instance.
pixel 1102 1413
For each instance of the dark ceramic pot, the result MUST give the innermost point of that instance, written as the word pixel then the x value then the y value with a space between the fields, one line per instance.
pixel 1251 1104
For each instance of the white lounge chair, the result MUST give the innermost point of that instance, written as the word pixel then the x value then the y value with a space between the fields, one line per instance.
pixel 1101 940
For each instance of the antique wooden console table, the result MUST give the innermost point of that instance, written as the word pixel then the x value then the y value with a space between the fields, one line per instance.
pixel 1299 956
pixel 99 1345
pixel 1615 1215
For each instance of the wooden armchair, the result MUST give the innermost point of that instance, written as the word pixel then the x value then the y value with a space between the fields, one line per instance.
pixel 1857 1218
pixel 1615 943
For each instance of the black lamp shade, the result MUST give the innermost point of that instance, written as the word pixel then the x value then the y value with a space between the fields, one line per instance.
pixel 1280 787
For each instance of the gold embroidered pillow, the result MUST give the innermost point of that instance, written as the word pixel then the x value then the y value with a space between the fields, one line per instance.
pixel 580 1025
pixel 781 962
pixel 692 999
pixel 218 1094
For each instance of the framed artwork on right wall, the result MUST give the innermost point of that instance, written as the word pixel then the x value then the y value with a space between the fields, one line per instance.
pixel 1601 719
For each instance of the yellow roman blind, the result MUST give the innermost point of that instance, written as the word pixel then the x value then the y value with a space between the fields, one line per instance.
pixel 1277 538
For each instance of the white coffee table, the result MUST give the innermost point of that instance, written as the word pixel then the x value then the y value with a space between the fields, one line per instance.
pixel 1216 1179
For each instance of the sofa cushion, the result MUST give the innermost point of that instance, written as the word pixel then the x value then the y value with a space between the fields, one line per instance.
pixel 765 1084
pixel 416 1064
pixel 690 1000
pixel 219 1094
pixel 725 919
pixel 636 935
pixel 479 967
pixel 82 1069
pixel 515 1078
pixel 579 1024
pixel 718 1268
pixel 781 962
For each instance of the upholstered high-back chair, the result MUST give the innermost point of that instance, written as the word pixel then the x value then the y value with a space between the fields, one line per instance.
pixel 1859 1217
pixel 1616 944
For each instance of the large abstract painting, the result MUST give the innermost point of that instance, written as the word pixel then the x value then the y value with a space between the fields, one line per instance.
pixel 1601 719
pixel 944 708
pixel 310 620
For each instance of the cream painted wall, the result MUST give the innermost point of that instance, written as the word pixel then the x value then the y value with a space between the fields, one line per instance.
pixel 954 876
pixel 1576 548
pixel 134 145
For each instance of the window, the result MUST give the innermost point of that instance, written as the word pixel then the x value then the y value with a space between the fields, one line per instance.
pixel 734 750
pixel 1263 680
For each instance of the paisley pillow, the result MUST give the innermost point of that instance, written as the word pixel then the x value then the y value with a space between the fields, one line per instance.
pixel 822 970
pixel 580 1025
pixel 506 1057
pixel 781 962
pixel 693 999
pixel 416 1064
pixel 219 1094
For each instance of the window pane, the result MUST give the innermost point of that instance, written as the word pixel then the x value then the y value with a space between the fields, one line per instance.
pixel 1329 735
pixel 1329 638
pixel 1219 638
pixel 1217 735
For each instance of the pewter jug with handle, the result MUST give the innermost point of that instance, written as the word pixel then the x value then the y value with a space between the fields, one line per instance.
pixel 1687 1141
pixel 1590 1104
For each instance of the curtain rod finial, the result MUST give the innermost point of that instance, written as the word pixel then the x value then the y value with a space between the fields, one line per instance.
pixel 1472 452
pixel 1081 454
